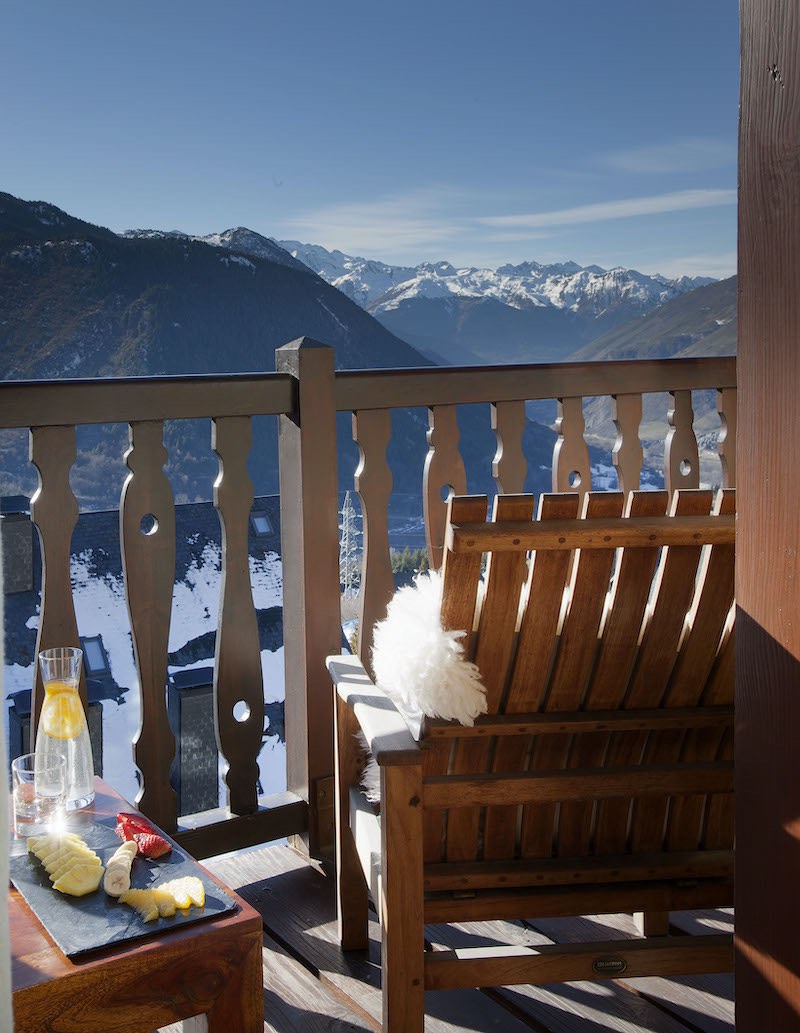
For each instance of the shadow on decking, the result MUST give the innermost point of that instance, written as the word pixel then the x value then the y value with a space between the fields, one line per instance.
pixel 311 986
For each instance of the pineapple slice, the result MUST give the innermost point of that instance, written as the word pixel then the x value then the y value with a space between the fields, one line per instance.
pixel 69 853
pixel 72 861
pixel 194 888
pixel 80 880
pixel 165 902
pixel 143 902
pixel 41 845
pixel 79 851
pixel 74 868
pixel 51 853
pixel 54 841
pixel 161 901
pixel 186 891
pixel 54 858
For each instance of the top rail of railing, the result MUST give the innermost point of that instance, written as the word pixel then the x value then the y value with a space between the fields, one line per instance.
pixel 400 388
pixel 40 403
pixel 50 403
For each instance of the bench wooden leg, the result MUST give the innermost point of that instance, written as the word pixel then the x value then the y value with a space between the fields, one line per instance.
pixel 652 923
pixel 352 897
pixel 402 916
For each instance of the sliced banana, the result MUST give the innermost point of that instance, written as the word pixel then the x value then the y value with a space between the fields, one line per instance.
pixel 117 879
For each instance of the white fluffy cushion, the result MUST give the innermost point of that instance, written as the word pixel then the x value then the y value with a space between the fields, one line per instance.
pixel 421 666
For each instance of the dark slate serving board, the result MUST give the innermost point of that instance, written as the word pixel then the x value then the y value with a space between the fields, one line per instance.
pixel 82 924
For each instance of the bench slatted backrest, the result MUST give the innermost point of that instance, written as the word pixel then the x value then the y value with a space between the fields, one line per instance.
pixel 609 676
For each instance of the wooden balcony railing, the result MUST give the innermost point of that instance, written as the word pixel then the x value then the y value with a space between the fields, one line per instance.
pixel 306 393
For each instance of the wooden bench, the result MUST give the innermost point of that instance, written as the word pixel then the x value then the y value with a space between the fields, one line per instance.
pixel 601 779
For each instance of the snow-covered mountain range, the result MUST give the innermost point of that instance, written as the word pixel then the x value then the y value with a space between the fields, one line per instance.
pixel 529 312
pixel 379 287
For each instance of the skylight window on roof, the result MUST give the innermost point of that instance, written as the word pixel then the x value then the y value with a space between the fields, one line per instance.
pixel 94 655
pixel 261 525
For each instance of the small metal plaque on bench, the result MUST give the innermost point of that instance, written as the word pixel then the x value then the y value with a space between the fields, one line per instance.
pixel 609 966
pixel 81 924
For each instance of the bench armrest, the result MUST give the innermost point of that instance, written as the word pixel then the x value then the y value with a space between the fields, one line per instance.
pixel 385 728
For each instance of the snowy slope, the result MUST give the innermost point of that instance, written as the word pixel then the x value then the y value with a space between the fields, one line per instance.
pixel 239 239
pixel 100 609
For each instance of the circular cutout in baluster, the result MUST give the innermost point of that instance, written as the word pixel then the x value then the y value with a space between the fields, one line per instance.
pixel 575 479
pixel 148 524
pixel 685 468
pixel 447 492
pixel 241 711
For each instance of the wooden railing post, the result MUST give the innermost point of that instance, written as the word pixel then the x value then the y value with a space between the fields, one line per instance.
pixel 571 466
pixel 310 548
pixel 147 542
pixel 54 512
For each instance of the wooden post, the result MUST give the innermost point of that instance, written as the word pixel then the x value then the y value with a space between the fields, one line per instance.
pixel 401 907
pixel 310 548
pixel 54 512
pixel 768 532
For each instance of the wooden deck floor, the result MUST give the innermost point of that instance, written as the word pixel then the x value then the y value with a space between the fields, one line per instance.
pixel 311 986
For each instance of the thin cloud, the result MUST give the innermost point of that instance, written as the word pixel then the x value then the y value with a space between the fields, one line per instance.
pixel 694 154
pixel 605 211
pixel 439 222
pixel 719 266
pixel 407 225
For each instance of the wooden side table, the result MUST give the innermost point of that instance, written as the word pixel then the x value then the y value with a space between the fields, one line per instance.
pixel 210 969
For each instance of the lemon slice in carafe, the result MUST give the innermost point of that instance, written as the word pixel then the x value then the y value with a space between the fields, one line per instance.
pixel 62 712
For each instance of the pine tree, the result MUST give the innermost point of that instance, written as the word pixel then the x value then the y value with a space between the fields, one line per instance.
pixel 349 558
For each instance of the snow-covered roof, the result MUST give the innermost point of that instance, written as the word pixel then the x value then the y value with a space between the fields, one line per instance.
pixel 99 596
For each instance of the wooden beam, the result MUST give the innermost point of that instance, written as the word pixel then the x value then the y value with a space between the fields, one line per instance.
pixel 571 871
pixel 580 721
pixel 588 784
pixel 767 586
pixel 622 533
pixel 564 962
pixel 139 399
pixel 385 729
pixel 559 901
pixel 401 388
pixel 215 832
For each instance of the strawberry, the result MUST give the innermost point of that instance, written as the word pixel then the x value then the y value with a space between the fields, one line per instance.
pixel 124 832
pixel 133 827
pixel 151 844
pixel 135 822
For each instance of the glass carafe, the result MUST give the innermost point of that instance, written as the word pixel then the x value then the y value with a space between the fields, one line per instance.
pixel 63 730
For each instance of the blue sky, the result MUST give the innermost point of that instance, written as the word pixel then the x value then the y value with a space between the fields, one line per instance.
pixel 483 133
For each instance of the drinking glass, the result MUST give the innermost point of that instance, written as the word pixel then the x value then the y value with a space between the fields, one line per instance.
pixel 40 794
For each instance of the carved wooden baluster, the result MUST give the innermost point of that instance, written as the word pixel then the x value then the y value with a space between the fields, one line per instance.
pixel 54 511
pixel 509 466
pixel 238 681
pixel 147 537
pixel 373 482
pixel 726 443
pixel 627 454
pixel 571 467
pixel 444 468
pixel 681 459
